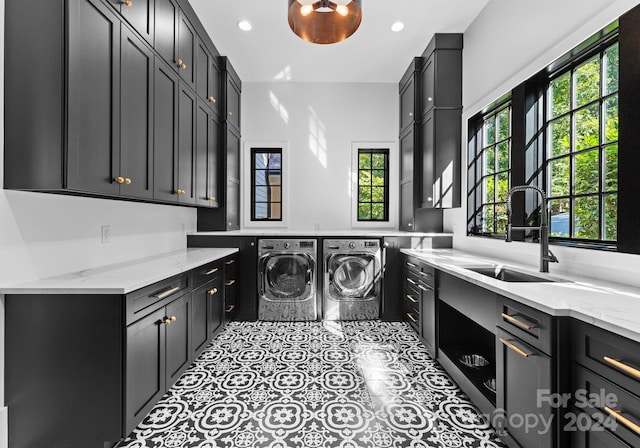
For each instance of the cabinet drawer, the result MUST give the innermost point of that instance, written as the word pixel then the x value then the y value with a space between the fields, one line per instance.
pixel 413 318
pixel 530 325
pixel 411 301
pixel 615 410
pixel 612 356
pixel 207 272
pixel 148 299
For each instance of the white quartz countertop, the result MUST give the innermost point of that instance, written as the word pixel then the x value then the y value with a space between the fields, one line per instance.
pixel 322 233
pixel 614 307
pixel 121 278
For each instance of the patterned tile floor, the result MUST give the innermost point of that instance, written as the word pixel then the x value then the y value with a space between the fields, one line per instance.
pixel 314 385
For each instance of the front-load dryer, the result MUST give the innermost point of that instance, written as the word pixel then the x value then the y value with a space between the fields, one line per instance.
pixel 287 280
pixel 352 279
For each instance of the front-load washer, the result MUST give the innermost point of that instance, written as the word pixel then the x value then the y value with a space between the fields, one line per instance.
pixel 287 280
pixel 352 279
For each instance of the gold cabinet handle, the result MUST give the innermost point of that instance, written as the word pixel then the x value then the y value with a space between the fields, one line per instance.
pixel 213 291
pixel 622 419
pixel 411 318
pixel 410 225
pixel 411 298
pixel 183 66
pixel 622 366
pixel 228 262
pixel 168 320
pixel 230 113
pixel 230 308
pixel 211 198
pixel 119 180
pixel 127 3
pixel 181 63
pixel 180 192
pixel 411 281
pixel 411 114
pixel 429 99
pixel 516 349
pixel 127 181
pixel 166 293
pixel 212 271
pixel 211 99
pixel 517 322
pixel 230 282
pixel 411 264
pixel 424 288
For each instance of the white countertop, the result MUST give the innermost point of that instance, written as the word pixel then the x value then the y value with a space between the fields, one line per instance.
pixel 321 233
pixel 611 306
pixel 121 278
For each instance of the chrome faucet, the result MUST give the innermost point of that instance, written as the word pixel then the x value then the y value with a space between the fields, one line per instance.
pixel 546 256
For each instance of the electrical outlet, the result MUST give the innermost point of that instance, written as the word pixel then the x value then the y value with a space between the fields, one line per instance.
pixel 105 234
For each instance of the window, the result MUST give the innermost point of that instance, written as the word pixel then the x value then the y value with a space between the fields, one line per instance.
pixel 266 184
pixel 489 170
pixel 373 184
pixel 582 149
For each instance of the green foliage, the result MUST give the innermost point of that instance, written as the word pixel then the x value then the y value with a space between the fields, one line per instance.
pixel 371 186
pixel 560 95
pixel 489 132
pixel 560 136
pixel 586 223
pixel 611 64
pixel 587 172
pixel 587 125
pixel 560 177
pixel 610 217
pixel 364 161
pixel 587 82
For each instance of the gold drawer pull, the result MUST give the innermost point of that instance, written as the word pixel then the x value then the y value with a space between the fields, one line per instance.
pixel 212 271
pixel 211 198
pixel 230 308
pixel 518 350
pixel 127 3
pixel 411 264
pixel 622 419
pixel 211 99
pixel 622 366
pixel 228 262
pixel 424 288
pixel 424 274
pixel 168 320
pixel 212 292
pixel 230 282
pixel 411 281
pixel 119 180
pixel 517 322
pixel 411 298
pixel 411 318
pixel 166 293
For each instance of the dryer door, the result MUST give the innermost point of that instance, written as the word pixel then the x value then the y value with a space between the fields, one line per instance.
pixel 286 277
pixel 353 276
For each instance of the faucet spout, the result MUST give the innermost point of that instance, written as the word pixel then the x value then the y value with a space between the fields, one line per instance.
pixel 546 256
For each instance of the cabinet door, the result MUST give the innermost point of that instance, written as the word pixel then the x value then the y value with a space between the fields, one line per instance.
pixel 215 310
pixel 199 318
pixel 233 102
pixel 522 371
pixel 178 338
pixel 136 120
pixel 186 146
pixel 166 26
pixel 428 142
pixel 140 14
pixel 203 66
pixel 426 100
pixel 165 135
pixel 428 317
pixel 232 203
pixel 407 101
pixel 185 56
pixel 213 175
pixel 145 367
pixel 215 87
pixel 203 138
pixel 233 155
pixel 93 101
pixel 406 206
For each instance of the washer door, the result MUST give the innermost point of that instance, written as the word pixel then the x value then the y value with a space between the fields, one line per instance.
pixel 353 276
pixel 286 277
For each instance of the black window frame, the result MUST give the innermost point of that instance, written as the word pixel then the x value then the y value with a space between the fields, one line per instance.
pixel 254 202
pixel 386 152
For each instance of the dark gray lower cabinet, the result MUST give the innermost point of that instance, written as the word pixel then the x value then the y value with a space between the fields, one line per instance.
pixel 207 302
pixel 523 373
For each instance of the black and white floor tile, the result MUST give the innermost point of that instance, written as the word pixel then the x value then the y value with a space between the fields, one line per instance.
pixel 314 385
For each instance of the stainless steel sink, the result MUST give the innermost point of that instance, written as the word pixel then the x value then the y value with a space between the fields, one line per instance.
pixel 509 275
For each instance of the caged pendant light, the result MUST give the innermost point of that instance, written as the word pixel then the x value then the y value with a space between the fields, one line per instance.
pixel 324 21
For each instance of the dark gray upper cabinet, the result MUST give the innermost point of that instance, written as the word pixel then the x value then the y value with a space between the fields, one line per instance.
pixel 166 26
pixel 140 15
pixel 207 150
pixel 136 117
pixel 186 145
pixel 207 78
pixel 232 93
pixel 409 91
pixel 186 53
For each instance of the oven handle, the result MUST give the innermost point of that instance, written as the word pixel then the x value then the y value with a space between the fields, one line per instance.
pixel 309 276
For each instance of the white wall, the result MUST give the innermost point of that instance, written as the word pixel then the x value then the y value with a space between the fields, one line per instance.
pixel 320 121
pixel 507 43
pixel 45 234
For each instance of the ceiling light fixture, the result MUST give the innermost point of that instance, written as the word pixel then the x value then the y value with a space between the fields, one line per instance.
pixel 245 25
pixel 324 21
pixel 397 27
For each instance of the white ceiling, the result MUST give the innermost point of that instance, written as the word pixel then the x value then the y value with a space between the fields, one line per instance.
pixel 272 52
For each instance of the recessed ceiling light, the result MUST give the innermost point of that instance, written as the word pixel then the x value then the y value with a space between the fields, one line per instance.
pixel 397 26
pixel 245 25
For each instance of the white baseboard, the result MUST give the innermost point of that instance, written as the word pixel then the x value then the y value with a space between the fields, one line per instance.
pixel 4 428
